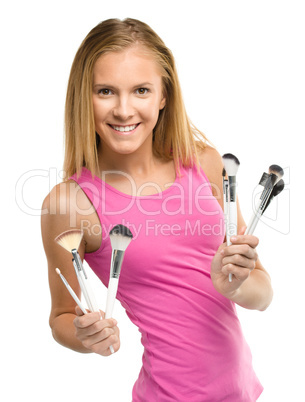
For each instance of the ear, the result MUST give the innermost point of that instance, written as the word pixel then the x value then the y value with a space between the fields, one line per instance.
pixel 162 103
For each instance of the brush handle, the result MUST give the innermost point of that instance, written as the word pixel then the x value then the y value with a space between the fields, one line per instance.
pixel 90 294
pixel 232 221
pixel 260 208
pixel 84 283
pixel 83 287
pixel 73 294
pixel 225 197
pixel 258 211
pixel 111 296
pixel 232 225
pixel 254 221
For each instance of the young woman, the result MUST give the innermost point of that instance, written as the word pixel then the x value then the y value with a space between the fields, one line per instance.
pixel 132 157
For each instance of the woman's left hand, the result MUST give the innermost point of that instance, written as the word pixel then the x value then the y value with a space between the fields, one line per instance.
pixel 239 259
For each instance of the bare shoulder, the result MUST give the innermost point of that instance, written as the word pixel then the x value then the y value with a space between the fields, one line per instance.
pixel 66 198
pixel 65 207
pixel 211 163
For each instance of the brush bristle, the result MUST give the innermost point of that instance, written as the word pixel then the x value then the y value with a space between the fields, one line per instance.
pixel 70 239
pixel 120 237
pixel 231 164
pixel 278 188
pixel 57 271
pixel 277 170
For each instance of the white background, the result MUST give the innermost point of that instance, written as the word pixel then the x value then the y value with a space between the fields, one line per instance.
pixel 241 66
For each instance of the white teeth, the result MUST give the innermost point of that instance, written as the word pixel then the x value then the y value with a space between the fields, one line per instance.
pixel 124 129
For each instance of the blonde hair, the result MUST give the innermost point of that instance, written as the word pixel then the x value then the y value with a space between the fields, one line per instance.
pixel 174 137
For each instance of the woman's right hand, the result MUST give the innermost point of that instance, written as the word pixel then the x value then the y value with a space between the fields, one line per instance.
pixel 96 333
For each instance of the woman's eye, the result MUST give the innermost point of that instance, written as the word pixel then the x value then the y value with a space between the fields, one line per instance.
pixel 104 91
pixel 142 91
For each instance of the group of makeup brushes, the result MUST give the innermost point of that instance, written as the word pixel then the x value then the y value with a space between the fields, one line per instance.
pixel 120 237
pixel 272 183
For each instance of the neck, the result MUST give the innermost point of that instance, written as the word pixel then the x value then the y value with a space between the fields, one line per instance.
pixel 139 163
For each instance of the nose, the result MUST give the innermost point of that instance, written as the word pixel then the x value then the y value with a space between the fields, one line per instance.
pixel 123 108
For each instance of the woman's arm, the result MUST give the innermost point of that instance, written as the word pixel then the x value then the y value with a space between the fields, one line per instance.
pixel 63 209
pixel 251 284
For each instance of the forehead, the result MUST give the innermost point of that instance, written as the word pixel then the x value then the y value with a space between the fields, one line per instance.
pixel 135 61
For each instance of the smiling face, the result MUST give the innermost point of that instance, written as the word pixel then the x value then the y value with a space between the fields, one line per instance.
pixel 127 98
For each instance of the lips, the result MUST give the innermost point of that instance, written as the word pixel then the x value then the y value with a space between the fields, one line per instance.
pixel 124 129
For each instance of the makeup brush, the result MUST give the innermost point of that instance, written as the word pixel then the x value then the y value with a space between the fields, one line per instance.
pixel 231 165
pixel 277 189
pixel 268 181
pixel 275 174
pixel 71 291
pixel 70 241
pixel 73 294
pixel 120 237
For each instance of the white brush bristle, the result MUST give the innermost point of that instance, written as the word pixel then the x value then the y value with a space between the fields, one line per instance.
pixel 119 241
pixel 120 237
pixel 231 164
pixel 57 271
pixel 70 239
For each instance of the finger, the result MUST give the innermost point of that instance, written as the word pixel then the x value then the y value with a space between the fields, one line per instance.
pixel 78 311
pixel 252 241
pixel 242 230
pixel 96 332
pixel 115 346
pixel 98 337
pixel 239 261
pixel 87 319
pixel 94 323
pixel 242 249
pixel 101 346
pixel 239 273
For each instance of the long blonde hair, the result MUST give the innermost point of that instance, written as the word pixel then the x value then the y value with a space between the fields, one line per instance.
pixel 174 137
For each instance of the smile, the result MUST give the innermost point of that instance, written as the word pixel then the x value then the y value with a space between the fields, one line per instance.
pixel 124 129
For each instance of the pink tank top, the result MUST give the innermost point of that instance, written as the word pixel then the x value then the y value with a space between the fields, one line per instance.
pixel 194 349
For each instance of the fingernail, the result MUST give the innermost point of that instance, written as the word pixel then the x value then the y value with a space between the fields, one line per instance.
pixel 115 322
pixel 233 238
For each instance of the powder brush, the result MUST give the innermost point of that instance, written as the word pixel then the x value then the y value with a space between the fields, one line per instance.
pixel 120 237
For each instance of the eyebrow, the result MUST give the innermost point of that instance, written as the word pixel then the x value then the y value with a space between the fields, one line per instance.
pixel 142 84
